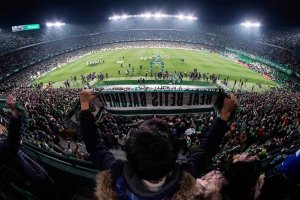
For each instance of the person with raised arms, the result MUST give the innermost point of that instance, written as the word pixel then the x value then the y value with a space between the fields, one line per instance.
pixel 151 170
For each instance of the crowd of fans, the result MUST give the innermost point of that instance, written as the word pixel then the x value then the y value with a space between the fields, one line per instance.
pixel 46 124
pixel 265 122
pixel 261 123
pixel 266 127
pixel 12 41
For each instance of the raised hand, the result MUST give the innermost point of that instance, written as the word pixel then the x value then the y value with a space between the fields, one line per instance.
pixel 229 105
pixel 86 97
pixel 11 103
pixel 2 130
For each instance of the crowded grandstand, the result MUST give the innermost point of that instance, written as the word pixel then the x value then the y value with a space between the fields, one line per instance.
pixel 149 106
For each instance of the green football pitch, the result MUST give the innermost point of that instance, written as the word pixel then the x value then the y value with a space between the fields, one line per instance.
pixel 205 62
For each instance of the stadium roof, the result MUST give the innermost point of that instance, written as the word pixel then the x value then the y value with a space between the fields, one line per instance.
pixel 275 12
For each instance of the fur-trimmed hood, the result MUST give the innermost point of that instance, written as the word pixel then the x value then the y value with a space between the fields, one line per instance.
pixel 208 187
pixel 105 191
pixel 104 187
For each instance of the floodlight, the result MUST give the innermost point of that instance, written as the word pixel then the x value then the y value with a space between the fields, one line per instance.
pixel 181 16
pixel 257 24
pixel 250 24
pixel 115 17
pixel 153 15
pixel 55 24
pixel 190 17
pixel 158 15
pixel 124 16
pixel 147 15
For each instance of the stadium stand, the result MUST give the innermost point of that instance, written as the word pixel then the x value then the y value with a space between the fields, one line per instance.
pixel 265 126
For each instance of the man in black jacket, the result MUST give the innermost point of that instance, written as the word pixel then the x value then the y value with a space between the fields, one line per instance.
pixel 11 156
pixel 10 146
pixel 151 171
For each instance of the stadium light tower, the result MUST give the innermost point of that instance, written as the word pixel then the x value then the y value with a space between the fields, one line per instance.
pixel 55 24
pixel 156 15
pixel 249 24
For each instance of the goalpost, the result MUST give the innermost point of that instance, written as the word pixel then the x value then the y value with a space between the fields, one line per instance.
pixel 157 63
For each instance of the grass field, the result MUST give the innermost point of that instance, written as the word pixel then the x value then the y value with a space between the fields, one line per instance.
pixel 205 62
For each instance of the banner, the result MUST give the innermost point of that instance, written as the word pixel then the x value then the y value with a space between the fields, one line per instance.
pixel 152 99
pixel 157 102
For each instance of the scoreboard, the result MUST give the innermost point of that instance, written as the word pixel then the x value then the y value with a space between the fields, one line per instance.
pixel 27 27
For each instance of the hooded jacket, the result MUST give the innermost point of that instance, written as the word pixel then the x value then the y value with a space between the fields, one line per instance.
pixel 208 187
pixel 12 156
pixel 117 180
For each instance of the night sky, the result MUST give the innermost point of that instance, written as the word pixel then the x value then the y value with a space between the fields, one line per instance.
pixel 275 13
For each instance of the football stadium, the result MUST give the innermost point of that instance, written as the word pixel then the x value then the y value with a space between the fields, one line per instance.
pixel 140 104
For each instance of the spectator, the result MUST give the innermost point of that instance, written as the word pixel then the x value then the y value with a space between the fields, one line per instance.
pixel 13 157
pixel 290 167
pixel 151 170
pixel 241 179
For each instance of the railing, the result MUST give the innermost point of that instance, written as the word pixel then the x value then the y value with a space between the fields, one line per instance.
pixel 81 168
